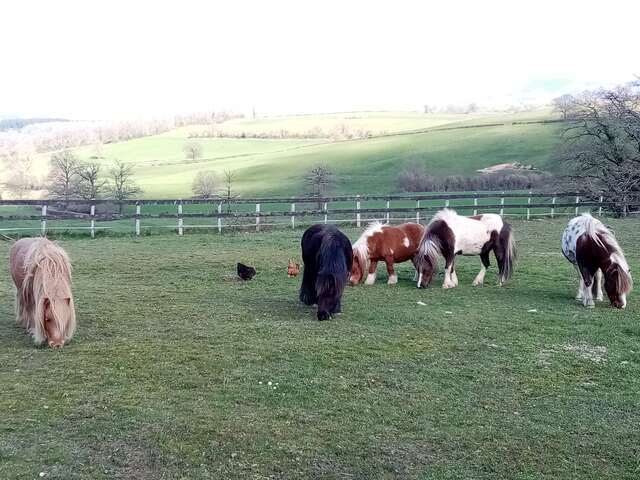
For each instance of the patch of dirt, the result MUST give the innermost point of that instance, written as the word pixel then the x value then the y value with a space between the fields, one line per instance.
pixel 592 353
pixel 505 166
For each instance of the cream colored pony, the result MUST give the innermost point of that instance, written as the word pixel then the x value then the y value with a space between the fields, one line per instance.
pixel 44 303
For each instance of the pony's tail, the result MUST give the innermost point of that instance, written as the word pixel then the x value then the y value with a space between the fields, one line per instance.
pixel 361 252
pixel 508 247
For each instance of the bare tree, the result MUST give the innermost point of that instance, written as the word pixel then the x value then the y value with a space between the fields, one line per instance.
pixel 563 105
pixel 89 185
pixel 319 180
pixel 192 150
pixel 601 145
pixel 19 164
pixel 62 176
pixel 122 186
pixel 204 185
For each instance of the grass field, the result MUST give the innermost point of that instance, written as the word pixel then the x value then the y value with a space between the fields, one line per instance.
pixel 278 166
pixel 168 375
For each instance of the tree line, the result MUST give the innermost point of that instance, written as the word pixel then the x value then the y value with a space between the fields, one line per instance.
pixel 70 178
pixel 601 141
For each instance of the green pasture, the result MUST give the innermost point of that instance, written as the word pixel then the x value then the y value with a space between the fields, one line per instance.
pixel 179 370
pixel 278 166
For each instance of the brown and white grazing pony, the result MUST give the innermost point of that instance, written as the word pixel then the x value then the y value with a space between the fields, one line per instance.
pixel 390 244
pixel 593 249
pixel 449 234
pixel 41 272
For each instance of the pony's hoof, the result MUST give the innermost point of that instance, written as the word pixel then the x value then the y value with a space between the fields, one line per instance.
pixel 448 286
pixel 371 279
pixel 478 283
pixel 393 279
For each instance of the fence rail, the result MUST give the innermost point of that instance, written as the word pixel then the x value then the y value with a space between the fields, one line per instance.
pixel 139 216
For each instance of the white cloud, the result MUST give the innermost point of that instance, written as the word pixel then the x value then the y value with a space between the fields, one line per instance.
pixel 117 58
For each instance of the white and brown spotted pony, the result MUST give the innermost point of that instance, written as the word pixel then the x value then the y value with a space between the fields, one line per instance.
pixel 384 243
pixel 449 234
pixel 594 251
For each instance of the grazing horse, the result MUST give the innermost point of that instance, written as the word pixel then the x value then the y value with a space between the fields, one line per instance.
pixel 327 257
pixel 384 243
pixel 44 304
pixel 594 251
pixel 449 234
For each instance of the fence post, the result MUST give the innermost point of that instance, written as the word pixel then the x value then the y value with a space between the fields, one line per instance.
pixel 577 203
pixel 180 220
pixel 600 207
pixel 325 208
pixel 43 221
pixel 624 206
pixel 219 217
pixel 358 213
pixel 388 203
pixel 293 217
pixel 529 209
pixel 137 219
pixel 475 204
pixel 502 205
pixel 446 203
pixel 418 211
pixel 257 217
pixel 553 207
pixel 93 221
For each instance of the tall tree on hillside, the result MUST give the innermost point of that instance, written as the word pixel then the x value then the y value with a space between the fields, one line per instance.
pixel 204 185
pixel 122 186
pixel 192 150
pixel 563 105
pixel 601 146
pixel 89 185
pixel 319 180
pixel 62 176
pixel 20 178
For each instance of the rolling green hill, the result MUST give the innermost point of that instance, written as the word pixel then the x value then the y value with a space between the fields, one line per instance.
pixel 277 166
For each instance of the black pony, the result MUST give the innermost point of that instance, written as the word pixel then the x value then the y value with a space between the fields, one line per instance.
pixel 327 257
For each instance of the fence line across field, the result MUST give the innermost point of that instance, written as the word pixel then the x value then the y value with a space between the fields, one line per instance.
pixel 559 204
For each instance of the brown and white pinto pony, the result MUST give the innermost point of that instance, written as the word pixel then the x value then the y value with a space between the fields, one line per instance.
pixel 593 249
pixel 384 243
pixel 41 272
pixel 449 234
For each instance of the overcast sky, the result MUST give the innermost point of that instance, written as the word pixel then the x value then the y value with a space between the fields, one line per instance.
pixel 90 59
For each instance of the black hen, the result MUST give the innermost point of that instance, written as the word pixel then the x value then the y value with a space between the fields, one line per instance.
pixel 245 272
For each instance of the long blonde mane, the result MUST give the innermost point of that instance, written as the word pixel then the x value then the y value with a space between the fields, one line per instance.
pixel 48 277
pixel 361 247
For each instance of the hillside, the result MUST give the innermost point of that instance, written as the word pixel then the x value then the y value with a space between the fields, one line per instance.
pixel 277 166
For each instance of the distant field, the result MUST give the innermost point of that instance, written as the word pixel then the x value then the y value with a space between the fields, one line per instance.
pixel 278 166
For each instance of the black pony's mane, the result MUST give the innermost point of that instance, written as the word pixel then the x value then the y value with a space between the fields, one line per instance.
pixel 332 277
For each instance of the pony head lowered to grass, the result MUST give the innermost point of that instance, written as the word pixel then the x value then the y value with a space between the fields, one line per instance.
pixel 41 272
pixel 594 251
pixel 449 234
pixel 327 257
pixel 384 243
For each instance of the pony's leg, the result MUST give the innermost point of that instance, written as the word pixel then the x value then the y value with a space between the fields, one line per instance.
pixel 371 276
pixel 448 274
pixel 484 257
pixel 393 278
pixel 580 294
pixel 587 293
pixel 454 276
pixel 597 286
